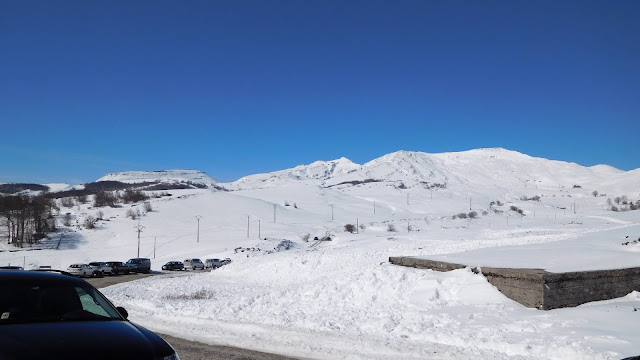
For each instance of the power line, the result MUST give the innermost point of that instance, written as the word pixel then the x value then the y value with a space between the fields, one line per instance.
pixel 198 217
pixel 139 228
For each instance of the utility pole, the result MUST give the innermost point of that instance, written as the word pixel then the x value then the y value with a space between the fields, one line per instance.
pixel 274 213
pixel 374 207
pixel 198 217
pixel 357 225
pixel 139 228
pixel 259 236
pixel 331 212
pixel 247 227
pixel 469 203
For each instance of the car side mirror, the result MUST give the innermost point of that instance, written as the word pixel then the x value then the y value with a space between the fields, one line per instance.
pixel 122 312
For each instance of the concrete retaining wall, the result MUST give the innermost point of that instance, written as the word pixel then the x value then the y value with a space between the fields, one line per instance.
pixel 545 290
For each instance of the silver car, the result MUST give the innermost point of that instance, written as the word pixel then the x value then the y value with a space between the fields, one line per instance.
pixel 193 264
pixel 100 268
pixel 80 270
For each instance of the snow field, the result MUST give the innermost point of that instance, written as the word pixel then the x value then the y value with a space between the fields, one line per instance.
pixel 342 299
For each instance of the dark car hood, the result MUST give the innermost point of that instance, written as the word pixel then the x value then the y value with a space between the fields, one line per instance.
pixel 80 339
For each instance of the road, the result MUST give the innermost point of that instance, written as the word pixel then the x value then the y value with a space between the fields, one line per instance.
pixel 191 350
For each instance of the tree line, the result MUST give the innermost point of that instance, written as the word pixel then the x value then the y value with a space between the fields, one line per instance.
pixel 26 219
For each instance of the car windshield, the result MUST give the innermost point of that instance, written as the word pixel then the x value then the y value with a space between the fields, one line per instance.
pixel 22 302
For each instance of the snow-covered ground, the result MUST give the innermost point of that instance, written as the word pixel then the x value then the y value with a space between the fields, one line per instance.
pixel 341 299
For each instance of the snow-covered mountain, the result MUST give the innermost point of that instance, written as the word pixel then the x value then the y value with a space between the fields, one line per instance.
pixel 480 168
pixel 165 176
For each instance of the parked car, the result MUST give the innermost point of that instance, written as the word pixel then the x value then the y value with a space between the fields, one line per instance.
pixel 193 264
pixel 212 263
pixel 80 270
pixel 216 263
pixel 173 265
pixel 100 268
pixel 139 265
pixel 11 267
pixel 118 267
pixel 56 316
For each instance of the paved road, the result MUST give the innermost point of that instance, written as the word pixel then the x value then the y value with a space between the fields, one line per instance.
pixel 191 350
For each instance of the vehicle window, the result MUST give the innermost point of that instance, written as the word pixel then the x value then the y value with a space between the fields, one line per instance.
pixel 42 302
pixel 91 304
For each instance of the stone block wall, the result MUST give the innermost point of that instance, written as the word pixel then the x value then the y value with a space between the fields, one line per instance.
pixel 545 290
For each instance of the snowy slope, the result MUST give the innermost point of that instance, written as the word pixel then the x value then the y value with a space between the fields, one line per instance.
pixel 316 173
pixel 197 177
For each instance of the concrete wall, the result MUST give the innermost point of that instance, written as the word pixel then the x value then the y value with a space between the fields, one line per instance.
pixel 544 290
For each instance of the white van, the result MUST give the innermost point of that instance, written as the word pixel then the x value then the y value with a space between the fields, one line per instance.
pixel 193 264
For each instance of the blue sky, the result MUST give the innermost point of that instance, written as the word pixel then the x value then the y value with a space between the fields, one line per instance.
pixel 235 88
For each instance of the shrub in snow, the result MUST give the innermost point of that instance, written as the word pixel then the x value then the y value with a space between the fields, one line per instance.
pixel 473 214
pixel 67 202
pixel 391 228
pixel 133 196
pixel 533 198
pixel 285 245
pixel 350 228
pixel 89 222
pixel 131 214
pixel 198 295
pixel 104 198
pixel 462 216
pixel 67 219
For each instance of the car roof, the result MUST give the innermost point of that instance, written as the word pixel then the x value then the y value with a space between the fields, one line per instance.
pixel 45 276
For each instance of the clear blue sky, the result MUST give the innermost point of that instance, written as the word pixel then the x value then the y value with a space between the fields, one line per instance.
pixel 237 87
